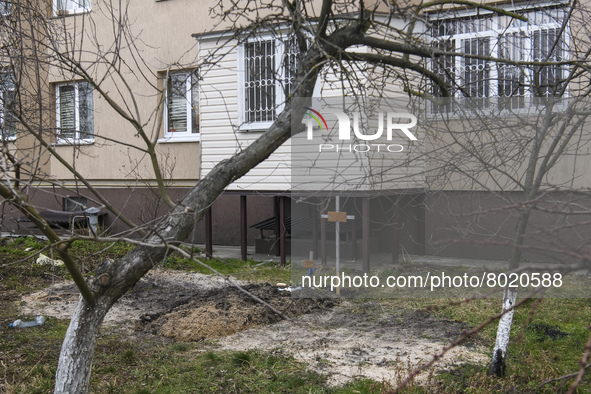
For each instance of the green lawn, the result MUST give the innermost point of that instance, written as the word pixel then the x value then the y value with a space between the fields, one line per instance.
pixel 548 340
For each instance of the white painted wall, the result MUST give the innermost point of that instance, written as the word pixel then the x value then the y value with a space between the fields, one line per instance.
pixel 221 137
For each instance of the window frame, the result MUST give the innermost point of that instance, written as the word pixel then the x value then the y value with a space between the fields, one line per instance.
pixel 496 33
pixel 81 6
pixel 76 140
pixel 6 8
pixel 7 84
pixel 281 41
pixel 191 87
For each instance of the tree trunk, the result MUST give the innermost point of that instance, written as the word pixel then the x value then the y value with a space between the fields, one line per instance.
pixel 498 364
pixel 114 278
pixel 75 362
pixel 499 358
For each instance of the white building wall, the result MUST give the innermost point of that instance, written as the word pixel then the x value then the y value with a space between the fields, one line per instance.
pixel 220 137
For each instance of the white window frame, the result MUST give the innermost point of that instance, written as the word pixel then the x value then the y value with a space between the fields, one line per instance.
pixel 4 89
pixel 76 139
pixel 76 7
pixel 6 8
pixel 280 43
pixel 494 34
pixel 188 135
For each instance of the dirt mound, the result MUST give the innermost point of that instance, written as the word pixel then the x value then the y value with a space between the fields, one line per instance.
pixel 222 312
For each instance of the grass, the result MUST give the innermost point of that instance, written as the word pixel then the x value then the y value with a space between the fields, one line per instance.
pixel 545 344
pixel 29 358
pixel 22 252
pixel 250 270
pixel 548 337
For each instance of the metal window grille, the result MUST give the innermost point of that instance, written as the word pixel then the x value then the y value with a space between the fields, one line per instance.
pixel 7 103
pixel 548 47
pixel 270 67
pixel 501 36
pixel 290 63
pixel 476 72
pixel 511 78
pixel 259 58
pixel 445 68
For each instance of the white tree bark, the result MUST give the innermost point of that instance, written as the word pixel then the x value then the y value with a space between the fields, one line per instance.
pixel 498 364
pixel 75 362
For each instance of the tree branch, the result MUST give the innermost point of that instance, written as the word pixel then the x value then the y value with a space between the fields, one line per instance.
pixel 324 18
pixel 400 63
pixel 34 216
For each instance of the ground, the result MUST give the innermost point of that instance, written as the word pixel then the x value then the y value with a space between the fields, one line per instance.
pixel 182 331
pixel 340 339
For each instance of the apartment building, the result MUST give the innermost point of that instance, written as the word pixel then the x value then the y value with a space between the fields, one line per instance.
pixel 143 60
pixel 194 113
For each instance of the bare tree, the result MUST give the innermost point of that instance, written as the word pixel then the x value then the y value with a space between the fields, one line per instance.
pixel 519 143
pixel 520 160
pixel 398 45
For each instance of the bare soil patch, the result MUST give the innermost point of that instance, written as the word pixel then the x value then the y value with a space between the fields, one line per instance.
pixel 363 341
pixel 342 339
pixel 226 311
pixel 157 293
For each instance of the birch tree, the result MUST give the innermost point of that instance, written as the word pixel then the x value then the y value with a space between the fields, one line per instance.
pixel 523 139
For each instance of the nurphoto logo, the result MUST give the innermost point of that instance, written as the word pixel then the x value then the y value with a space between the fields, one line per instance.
pixel 396 124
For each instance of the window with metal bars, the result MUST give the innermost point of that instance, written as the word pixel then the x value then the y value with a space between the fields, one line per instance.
pixel 75 112
pixel 548 46
pixel 483 82
pixel 444 67
pixel 511 89
pixel 269 73
pixel 475 70
pixel 260 81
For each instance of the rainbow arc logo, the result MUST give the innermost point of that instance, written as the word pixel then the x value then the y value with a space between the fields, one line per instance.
pixel 315 115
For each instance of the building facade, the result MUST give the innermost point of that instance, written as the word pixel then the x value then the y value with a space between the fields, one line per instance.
pixel 165 80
